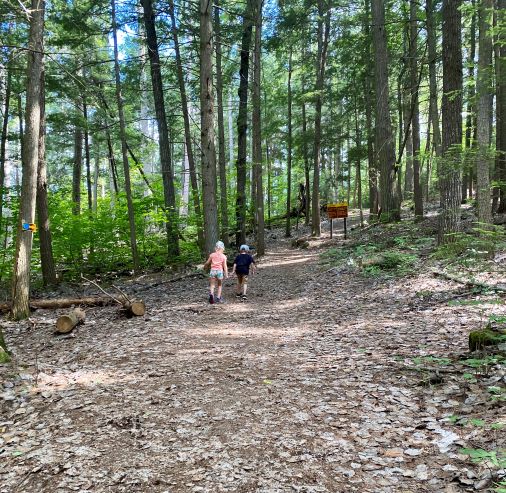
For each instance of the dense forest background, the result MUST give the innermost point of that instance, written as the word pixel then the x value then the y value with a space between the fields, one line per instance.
pixel 137 133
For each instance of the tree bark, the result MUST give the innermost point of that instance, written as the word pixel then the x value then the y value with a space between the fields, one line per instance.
pixel 305 151
pixel 257 133
pixel 449 168
pixel 242 126
pixel 169 193
pixel 3 138
pixel 467 175
pixel 433 91
pixel 390 210
pixel 124 151
pixel 24 240
pixel 501 108
pixel 208 153
pixel 187 129
pixel 45 239
pixel 222 163
pixel 415 121
pixel 369 97
pixel 483 89
pixel 323 38
pixel 77 170
pixel 87 158
pixel 289 144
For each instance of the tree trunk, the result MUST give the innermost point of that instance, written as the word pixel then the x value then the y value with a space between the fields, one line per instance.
pixel 242 127
pixel 124 151
pixel 222 162
pixel 76 171
pixel 449 168
pixel 96 173
pixel 3 138
pixel 470 109
pixel 358 175
pixel 257 133
pixel 415 121
pixel 369 96
pixel 187 130
pixel 305 151
pixel 433 90
pixel 483 89
pixel 169 193
pixel 390 210
pixel 289 144
pixel 501 108
pixel 323 38
pixel 24 241
pixel 87 157
pixel 208 153
pixel 45 238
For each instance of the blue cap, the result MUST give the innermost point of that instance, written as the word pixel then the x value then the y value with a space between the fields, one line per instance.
pixel 244 247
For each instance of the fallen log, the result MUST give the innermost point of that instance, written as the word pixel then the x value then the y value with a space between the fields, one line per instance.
pixel 67 322
pixel 469 282
pixel 62 303
pixel 136 307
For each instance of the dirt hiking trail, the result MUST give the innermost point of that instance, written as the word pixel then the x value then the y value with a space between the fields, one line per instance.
pixel 304 387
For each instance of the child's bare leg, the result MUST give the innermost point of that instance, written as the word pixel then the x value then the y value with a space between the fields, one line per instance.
pixel 219 287
pixel 239 285
pixel 212 283
pixel 244 285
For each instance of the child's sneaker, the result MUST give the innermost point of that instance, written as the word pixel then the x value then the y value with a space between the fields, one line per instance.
pixel 244 297
pixel 220 300
pixel 211 299
pixel 238 295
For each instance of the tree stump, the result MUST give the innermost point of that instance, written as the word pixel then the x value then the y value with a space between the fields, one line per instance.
pixel 67 322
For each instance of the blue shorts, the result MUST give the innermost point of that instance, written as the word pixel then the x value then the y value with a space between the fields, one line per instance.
pixel 216 274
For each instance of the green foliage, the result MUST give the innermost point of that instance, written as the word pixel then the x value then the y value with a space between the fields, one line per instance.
pixel 483 242
pixel 496 458
pixel 423 360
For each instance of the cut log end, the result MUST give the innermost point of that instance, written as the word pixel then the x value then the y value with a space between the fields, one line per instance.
pixel 137 308
pixel 67 322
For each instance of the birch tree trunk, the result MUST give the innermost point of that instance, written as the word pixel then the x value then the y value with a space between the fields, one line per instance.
pixel 30 157
pixel 449 168
pixel 208 153
pixel 124 151
pixel 169 193
pixel 390 210
pixel 305 151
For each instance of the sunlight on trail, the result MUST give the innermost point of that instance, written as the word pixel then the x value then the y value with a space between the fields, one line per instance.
pixel 302 260
pixel 60 380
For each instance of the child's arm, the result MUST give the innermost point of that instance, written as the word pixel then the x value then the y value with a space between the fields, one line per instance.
pixel 233 268
pixel 225 267
pixel 208 263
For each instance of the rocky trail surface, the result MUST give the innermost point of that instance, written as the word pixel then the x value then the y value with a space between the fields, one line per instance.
pixel 309 386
